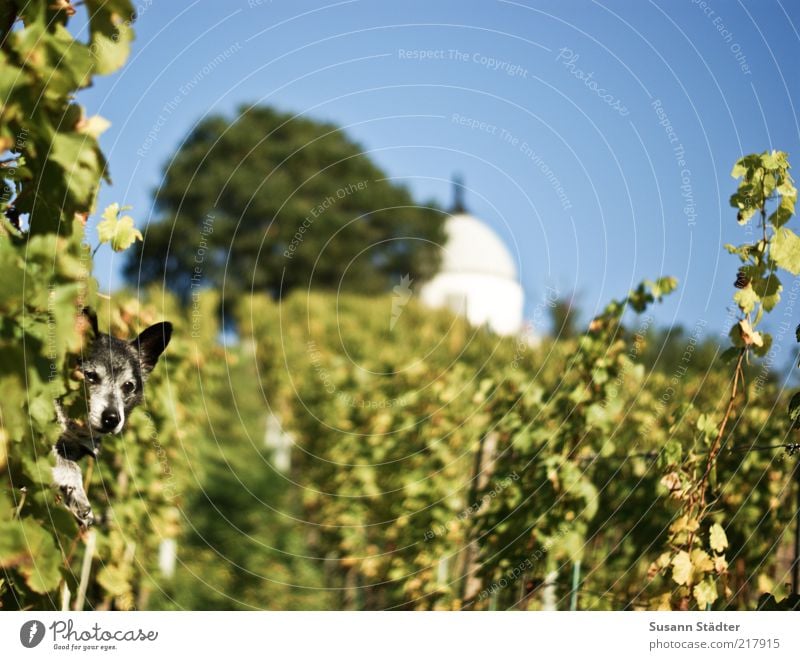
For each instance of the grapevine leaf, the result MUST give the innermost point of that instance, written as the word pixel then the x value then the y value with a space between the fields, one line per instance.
pixel 742 251
pixel 684 524
pixel 93 126
pixel 788 202
pixel 749 336
pixel 119 232
pixel 659 564
pixel 672 482
pixel 745 205
pixel 794 410
pixel 769 290
pixel 774 159
pixel 718 540
pixel 681 568
pixel 663 286
pixel 739 169
pixel 786 189
pixel 707 425
pixel 746 299
pixel 705 593
pixel 766 343
pixel 672 452
pixel 780 216
pixel 735 335
pixel 114 579
pixel 785 250
pixel 111 32
pixel 26 546
pixel 701 561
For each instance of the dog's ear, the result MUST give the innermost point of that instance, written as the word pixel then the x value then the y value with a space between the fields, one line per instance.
pixel 150 344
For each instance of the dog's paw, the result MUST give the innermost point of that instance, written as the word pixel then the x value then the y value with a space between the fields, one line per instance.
pixel 77 502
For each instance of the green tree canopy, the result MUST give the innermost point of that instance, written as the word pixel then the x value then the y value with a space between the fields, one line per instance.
pixel 270 201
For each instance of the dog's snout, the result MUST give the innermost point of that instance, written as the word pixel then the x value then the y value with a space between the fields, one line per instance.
pixel 110 419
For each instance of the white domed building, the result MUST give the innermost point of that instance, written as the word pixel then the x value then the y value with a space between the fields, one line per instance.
pixel 478 277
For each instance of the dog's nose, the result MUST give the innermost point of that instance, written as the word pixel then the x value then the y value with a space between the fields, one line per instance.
pixel 110 419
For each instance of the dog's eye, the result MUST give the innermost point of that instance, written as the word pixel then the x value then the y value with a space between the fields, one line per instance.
pixel 92 377
pixel 128 387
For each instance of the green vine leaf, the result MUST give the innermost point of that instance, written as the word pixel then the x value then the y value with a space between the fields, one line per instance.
pixel 746 299
pixel 794 410
pixel 785 250
pixel 768 289
pixel 26 546
pixel 115 580
pixel 781 216
pixel 110 27
pixel 765 346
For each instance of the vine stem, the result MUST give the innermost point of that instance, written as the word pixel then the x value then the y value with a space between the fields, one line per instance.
pixel 18 511
pixel 737 376
pixel 86 567
pixel 477 468
pixel 717 445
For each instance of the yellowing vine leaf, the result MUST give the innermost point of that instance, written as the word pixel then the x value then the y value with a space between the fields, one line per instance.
pixel 681 568
pixel 705 593
pixel 658 565
pixel 701 561
pixel 717 538
pixel 672 482
pixel 750 337
pixel 94 126
pixel 684 524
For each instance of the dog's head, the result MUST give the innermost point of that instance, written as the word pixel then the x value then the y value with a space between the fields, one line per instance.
pixel 115 371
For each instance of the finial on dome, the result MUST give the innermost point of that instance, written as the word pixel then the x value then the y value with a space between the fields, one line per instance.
pixel 458 195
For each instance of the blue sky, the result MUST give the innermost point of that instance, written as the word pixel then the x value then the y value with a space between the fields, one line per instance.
pixel 581 180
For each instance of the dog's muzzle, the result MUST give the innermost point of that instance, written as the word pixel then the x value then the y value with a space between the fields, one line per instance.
pixel 111 421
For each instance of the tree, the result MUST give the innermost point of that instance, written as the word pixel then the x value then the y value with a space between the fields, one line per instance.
pixel 270 201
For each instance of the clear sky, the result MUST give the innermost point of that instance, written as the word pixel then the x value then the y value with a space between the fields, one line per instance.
pixel 596 137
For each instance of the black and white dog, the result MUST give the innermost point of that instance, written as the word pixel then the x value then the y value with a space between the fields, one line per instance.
pixel 114 373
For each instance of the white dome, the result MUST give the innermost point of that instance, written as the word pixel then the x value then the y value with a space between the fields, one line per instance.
pixel 477 278
pixel 473 247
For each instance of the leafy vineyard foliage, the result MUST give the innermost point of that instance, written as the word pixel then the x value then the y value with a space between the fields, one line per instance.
pixel 441 467
pixel 239 547
pixel 696 559
pixel 51 170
